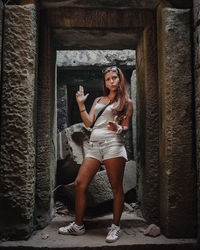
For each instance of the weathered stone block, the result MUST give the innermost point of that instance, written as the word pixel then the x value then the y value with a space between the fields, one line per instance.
pixel 151 209
pixel 178 196
pixel 1 29
pixel 147 127
pixel 196 3
pixel 96 58
pixel 142 4
pixel 99 190
pixel 196 35
pixel 197 48
pixel 196 14
pixel 72 148
pixel 17 185
pixel 73 142
pixel 46 127
pixel 133 98
pixel 197 120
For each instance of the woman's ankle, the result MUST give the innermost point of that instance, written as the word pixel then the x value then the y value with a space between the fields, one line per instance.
pixel 79 223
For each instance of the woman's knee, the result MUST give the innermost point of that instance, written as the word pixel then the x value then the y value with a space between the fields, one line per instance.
pixel 79 185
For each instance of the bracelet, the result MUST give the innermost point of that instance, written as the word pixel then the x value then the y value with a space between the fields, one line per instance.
pixel 119 130
pixel 82 110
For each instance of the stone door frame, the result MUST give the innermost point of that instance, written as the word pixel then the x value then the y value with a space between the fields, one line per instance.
pixel 150 144
pixel 160 94
pixel 49 44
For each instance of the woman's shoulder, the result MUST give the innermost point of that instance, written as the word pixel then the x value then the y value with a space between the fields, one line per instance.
pixel 98 99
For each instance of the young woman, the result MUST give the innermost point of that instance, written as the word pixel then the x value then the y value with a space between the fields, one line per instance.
pixel 105 145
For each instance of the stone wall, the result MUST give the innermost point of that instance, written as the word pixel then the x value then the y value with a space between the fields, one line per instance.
pixel 100 28
pixel 46 127
pixel 177 169
pixel 133 98
pixel 196 25
pixel 142 4
pixel 95 58
pixel 17 168
pixel 140 118
pixel 151 172
pixel 147 125
pixel 19 201
pixel 1 30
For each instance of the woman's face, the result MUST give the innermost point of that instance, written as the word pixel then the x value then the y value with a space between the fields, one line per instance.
pixel 112 80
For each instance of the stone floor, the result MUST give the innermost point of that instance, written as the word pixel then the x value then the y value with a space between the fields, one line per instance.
pixel 131 237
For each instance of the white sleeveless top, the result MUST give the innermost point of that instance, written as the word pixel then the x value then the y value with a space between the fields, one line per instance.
pixel 100 131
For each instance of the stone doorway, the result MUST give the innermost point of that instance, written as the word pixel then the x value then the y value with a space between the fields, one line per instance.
pixel 136 29
pixel 112 33
pixel 83 67
pixel 163 103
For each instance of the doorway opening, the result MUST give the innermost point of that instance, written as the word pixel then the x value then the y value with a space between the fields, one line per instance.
pixel 84 67
pixel 107 29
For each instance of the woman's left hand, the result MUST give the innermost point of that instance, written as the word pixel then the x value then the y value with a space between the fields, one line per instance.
pixel 113 125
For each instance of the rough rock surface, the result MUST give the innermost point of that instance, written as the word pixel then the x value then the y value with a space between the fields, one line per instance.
pixel 196 25
pixel 140 4
pixel 133 98
pixel 147 142
pixel 73 142
pixel 17 168
pixel 152 230
pixel 99 190
pixel 72 147
pixel 1 30
pixel 178 199
pixel 95 58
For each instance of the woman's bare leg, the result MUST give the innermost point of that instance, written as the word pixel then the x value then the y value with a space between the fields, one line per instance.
pixel 115 172
pixel 86 172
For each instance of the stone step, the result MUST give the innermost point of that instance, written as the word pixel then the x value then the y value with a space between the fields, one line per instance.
pixel 131 237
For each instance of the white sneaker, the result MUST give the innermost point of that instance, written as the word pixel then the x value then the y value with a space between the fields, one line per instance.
pixel 72 228
pixel 113 234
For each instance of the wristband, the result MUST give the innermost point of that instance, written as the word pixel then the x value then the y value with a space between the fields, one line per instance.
pixel 82 110
pixel 119 130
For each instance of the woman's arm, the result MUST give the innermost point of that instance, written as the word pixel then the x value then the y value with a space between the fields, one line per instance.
pixel 81 98
pixel 113 125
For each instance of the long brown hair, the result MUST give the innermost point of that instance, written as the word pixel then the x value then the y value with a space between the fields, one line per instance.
pixel 122 97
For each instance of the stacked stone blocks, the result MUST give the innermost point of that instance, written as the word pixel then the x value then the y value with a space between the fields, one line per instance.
pixel 17 125
pixel 177 189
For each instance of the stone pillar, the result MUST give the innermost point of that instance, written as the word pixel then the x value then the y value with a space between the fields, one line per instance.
pixel 1 30
pixel 133 98
pixel 177 169
pixel 46 126
pixel 147 125
pixel 140 118
pixel 17 157
pixel 196 15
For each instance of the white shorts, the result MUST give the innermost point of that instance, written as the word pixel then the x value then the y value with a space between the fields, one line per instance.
pixel 106 149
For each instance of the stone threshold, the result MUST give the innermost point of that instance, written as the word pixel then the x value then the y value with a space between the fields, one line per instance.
pixel 94 238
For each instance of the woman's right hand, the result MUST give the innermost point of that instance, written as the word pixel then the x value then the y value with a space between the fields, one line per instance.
pixel 80 97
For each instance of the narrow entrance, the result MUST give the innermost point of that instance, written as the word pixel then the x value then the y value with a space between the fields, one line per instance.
pixel 119 29
pixel 84 67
